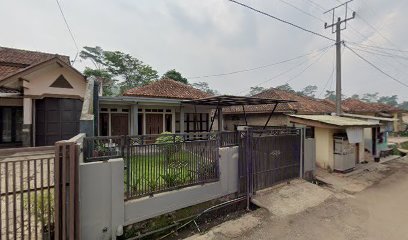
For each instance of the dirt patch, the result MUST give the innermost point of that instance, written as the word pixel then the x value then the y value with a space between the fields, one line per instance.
pixel 291 198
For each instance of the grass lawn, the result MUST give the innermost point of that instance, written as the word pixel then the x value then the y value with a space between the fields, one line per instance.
pixel 156 172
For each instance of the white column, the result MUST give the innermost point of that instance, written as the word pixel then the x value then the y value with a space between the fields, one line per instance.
pixel 144 123
pixel 28 111
pixel 181 120
pixel 134 120
pixel 173 120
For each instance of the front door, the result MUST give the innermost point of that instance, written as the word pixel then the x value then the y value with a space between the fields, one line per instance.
pixel 56 119
pixel 119 124
pixel 154 123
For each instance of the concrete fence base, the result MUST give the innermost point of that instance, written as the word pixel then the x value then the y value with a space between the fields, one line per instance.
pixel 104 211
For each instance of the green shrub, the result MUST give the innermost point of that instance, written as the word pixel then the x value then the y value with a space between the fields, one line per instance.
pixel 169 144
pixel 39 206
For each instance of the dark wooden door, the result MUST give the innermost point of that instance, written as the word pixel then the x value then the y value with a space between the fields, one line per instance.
pixel 56 119
pixel 154 123
pixel 119 124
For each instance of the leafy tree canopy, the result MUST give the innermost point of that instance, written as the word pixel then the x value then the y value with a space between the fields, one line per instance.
pixel 309 91
pixel 370 97
pixel 390 100
pixel 255 90
pixel 285 87
pixel 120 69
pixel 176 76
pixel 331 95
pixel 203 86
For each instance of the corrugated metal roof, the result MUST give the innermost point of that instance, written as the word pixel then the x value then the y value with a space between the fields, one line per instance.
pixel 336 120
pixel 370 117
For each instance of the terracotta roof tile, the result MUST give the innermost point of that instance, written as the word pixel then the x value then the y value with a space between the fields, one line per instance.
pixel 359 106
pixel 13 60
pixel 167 88
pixel 303 104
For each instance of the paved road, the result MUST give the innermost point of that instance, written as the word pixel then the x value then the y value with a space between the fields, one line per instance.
pixel 379 212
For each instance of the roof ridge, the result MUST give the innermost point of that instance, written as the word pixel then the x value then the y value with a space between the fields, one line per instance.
pixel 31 51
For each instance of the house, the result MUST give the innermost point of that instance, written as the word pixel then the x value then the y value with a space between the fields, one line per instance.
pixel 356 106
pixel 257 115
pixel 339 141
pixel 41 97
pixel 153 109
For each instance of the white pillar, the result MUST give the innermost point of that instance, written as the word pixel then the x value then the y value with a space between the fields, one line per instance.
pixel 144 123
pixel 181 120
pixel 134 120
pixel 28 111
pixel 173 120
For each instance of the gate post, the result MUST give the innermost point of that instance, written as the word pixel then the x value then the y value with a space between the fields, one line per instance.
pixel 301 155
pixel 248 157
pixel 66 194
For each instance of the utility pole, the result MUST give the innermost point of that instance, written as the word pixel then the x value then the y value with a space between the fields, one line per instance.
pixel 337 28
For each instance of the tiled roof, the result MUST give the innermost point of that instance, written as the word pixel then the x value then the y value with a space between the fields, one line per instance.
pixel 167 88
pixel 8 90
pixel 303 104
pixel 358 106
pixel 335 120
pixel 14 60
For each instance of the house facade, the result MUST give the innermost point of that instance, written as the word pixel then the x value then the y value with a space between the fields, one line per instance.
pixel 41 97
pixel 152 109
pixel 257 115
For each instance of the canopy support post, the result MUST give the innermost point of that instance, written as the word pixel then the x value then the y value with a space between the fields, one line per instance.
pixel 270 115
pixel 245 116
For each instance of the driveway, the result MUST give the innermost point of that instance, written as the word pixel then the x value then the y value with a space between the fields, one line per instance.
pixel 378 212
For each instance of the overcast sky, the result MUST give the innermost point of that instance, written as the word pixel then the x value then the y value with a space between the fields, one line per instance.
pixel 201 38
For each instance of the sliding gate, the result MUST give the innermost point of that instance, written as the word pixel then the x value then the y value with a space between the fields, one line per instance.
pixel 268 157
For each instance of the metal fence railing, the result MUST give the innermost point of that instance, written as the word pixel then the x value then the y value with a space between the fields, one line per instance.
pixel 157 163
pixel 27 198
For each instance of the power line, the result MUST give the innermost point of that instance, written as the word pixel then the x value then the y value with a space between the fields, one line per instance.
pixel 374 66
pixel 69 30
pixel 289 70
pixel 281 20
pixel 310 65
pixel 260 67
pixel 328 80
pixel 378 47
pixel 302 11
pixel 380 53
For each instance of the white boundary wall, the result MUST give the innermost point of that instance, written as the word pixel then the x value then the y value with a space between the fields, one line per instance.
pixel 104 211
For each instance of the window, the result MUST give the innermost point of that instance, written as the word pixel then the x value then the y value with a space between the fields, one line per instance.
pixel 196 122
pixel 310 133
pixel 104 124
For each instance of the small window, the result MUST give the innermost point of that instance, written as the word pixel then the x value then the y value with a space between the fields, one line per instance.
pixel 114 109
pixel 148 110
pixel 104 109
pixel 125 110
pixel 160 110
pixel 140 110
pixel 310 133
pixel 168 110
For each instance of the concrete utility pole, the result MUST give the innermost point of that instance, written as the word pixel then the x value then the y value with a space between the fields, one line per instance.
pixel 337 28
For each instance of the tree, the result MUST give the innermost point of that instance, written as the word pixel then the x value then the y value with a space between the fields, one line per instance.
pixel 331 95
pixel 117 69
pixel 370 97
pixel 176 76
pixel 203 86
pixel 105 78
pixel 390 100
pixel 285 87
pixel 255 90
pixel 309 91
pixel 404 105
pixel 355 96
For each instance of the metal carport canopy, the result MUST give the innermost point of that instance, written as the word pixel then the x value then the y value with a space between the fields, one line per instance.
pixel 228 101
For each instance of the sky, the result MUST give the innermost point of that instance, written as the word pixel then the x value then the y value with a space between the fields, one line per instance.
pixel 200 38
